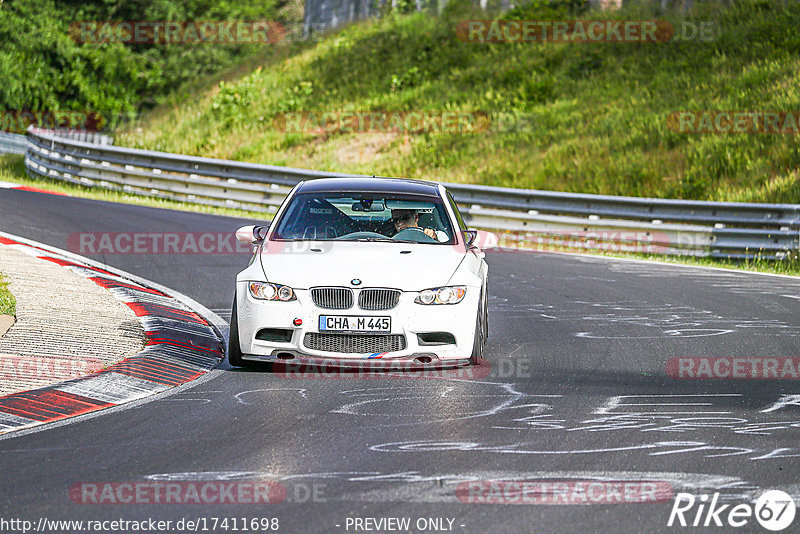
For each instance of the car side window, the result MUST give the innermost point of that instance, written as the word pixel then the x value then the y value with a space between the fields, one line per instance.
pixel 453 205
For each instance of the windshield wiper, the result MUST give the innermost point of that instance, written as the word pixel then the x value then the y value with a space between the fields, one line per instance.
pixel 381 240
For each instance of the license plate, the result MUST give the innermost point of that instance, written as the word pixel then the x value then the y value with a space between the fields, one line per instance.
pixel 354 323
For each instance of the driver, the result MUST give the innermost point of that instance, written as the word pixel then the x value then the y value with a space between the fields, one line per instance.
pixel 404 219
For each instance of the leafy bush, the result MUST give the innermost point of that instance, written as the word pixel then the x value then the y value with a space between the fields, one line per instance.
pixel 44 69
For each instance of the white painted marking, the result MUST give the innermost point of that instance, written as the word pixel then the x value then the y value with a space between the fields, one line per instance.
pixel 777 453
pixel 238 396
pixel 677 479
pixel 26 250
pixel 698 332
pixel 12 421
pixel 112 387
pixel 509 395
pixel 785 400
pixel 616 402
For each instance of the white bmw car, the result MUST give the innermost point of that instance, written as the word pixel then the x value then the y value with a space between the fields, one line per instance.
pixel 362 272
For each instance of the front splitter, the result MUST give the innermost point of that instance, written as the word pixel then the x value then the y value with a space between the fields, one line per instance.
pixel 406 363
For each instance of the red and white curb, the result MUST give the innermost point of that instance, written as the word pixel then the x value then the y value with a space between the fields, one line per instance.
pixel 9 185
pixel 181 346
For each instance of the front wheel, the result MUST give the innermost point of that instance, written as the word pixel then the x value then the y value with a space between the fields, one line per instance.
pixel 479 341
pixel 485 316
pixel 234 349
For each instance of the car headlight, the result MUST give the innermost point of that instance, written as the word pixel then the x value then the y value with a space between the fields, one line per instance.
pixel 267 291
pixel 441 295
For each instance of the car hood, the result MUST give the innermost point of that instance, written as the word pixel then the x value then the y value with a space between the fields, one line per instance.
pixel 410 267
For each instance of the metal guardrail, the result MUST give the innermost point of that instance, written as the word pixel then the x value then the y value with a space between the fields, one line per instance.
pixel 523 218
pixel 12 143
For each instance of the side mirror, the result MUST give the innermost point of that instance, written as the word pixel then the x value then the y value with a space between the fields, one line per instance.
pixel 470 236
pixel 480 239
pixel 252 235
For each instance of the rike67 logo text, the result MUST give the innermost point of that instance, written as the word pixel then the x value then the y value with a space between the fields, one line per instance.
pixel 774 510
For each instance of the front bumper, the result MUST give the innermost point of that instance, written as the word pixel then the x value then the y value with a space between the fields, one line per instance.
pixel 408 319
pixel 408 363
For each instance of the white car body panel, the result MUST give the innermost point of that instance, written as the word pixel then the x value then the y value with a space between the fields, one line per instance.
pixel 404 266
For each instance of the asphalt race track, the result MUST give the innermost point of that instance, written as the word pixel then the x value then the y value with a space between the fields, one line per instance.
pixel 575 388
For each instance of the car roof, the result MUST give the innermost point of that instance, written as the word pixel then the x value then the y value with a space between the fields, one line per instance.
pixel 372 185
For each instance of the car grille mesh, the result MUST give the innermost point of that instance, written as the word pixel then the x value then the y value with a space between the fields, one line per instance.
pixel 355 344
pixel 378 299
pixel 341 298
pixel 333 298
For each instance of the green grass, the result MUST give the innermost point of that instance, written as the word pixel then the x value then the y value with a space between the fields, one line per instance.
pixel 789 267
pixel 598 111
pixel 8 305
pixel 12 169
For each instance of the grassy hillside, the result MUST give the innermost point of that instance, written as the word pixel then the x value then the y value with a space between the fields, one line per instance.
pixel 597 112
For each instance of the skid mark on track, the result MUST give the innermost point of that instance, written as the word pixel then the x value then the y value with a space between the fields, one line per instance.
pixel 656 448
pixel 642 320
pixel 443 487
pixel 707 424
pixel 299 391
pixel 729 282
pixel 383 403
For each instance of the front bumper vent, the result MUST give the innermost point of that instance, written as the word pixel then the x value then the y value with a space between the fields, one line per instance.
pixel 354 343
pixel 276 335
pixel 436 338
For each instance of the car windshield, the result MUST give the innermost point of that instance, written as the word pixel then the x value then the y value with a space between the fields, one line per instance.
pixel 327 216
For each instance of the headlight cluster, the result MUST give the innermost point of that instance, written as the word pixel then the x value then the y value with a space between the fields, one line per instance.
pixel 267 291
pixel 441 295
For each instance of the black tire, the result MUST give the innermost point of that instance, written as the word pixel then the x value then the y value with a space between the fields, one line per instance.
pixel 234 350
pixel 485 315
pixel 478 342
